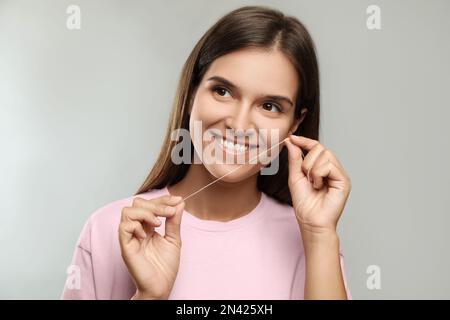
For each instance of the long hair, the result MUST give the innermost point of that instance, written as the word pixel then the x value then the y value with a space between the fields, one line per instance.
pixel 245 27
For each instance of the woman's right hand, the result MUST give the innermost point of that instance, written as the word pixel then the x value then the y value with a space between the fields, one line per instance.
pixel 152 260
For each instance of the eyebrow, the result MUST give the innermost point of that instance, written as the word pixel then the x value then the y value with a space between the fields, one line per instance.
pixel 233 86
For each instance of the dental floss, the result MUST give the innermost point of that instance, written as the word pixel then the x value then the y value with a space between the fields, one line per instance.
pixel 211 183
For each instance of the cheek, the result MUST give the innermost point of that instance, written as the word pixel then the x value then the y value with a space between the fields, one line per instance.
pixel 205 114
pixel 273 127
pixel 207 109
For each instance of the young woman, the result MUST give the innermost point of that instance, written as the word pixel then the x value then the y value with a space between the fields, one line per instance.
pixel 248 235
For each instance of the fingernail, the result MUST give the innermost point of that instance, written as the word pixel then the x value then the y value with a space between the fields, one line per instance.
pixel 170 210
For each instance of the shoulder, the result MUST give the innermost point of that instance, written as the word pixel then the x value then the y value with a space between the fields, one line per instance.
pixel 104 221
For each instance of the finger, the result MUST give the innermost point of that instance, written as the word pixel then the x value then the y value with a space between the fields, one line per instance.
pixel 140 214
pixel 295 160
pixel 336 178
pixel 134 227
pixel 303 142
pixel 310 144
pixel 311 158
pixel 172 226
pixel 130 229
pixel 170 200
pixel 325 155
pixel 316 179
pixel 162 207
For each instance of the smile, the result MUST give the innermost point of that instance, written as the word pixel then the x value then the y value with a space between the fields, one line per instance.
pixel 234 148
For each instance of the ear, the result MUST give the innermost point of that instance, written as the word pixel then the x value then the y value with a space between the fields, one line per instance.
pixel 298 121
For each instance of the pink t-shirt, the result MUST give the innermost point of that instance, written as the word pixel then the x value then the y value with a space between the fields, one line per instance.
pixel 257 256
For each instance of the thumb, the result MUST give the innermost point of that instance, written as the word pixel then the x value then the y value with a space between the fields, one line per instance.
pixel 295 160
pixel 172 225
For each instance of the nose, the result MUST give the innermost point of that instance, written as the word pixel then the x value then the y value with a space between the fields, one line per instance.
pixel 240 122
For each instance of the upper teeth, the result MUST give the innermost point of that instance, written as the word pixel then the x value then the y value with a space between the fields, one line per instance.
pixel 231 146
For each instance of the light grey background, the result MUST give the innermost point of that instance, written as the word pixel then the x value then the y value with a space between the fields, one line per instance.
pixel 83 113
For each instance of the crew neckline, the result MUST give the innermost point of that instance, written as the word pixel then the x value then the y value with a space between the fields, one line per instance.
pixel 211 225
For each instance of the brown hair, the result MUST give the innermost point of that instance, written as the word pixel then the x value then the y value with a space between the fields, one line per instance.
pixel 248 26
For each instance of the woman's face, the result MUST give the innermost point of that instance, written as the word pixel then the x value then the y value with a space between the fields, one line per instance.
pixel 234 98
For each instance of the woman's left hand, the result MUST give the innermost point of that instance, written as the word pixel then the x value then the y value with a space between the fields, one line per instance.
pixel 319 201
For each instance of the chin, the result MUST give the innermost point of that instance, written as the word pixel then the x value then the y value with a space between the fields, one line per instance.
pixel 244 172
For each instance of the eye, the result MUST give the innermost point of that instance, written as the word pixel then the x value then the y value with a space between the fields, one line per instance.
pixel 221 91
pixel 271 106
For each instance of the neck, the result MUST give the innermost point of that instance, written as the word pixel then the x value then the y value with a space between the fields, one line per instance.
pixel 221 201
